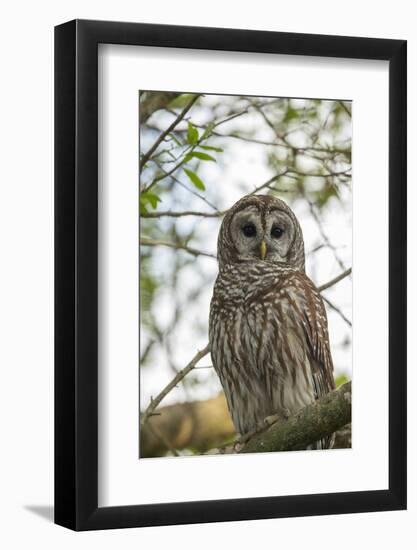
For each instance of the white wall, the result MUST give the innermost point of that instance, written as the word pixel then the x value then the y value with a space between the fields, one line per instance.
pixel 26 299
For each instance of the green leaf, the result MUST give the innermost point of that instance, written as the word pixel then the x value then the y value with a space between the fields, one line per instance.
pixel 195 179
pixel 201 156
pixel 142 208
pixel 210 148
pixel 323 196
pixel 177 141
pixel 192 134
pixel 291 114
pixel 208 130
pixel 153 199
pixel 148 198
pixel 341 379
pixel 181 101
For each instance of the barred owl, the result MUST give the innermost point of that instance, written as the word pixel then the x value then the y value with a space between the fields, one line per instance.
pixel 268 326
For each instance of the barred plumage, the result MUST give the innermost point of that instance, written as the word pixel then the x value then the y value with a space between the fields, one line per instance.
pixel 268 326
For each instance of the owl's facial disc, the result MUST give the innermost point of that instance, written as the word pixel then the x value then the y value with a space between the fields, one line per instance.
pixel 266 236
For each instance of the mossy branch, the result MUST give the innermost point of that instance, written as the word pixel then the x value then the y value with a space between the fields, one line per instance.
pixel 314 422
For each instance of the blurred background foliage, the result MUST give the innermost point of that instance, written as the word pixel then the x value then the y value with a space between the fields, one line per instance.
pixel 199 153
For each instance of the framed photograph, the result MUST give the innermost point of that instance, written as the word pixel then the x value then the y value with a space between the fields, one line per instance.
pixel 230 252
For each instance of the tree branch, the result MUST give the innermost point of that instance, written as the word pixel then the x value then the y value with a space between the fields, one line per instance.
pixel 191 365
pixel 198 195
pixel 213 214
pixel 163 135
pixel 268 182
pixel 285 145
pixel 314 422
pixel 323 234
pixel 153 101
pixel 180 375
pixel 144 241
pixel 335 280
pixel 337 310
pixel 202 426
pixel 172 214
pixel 345 108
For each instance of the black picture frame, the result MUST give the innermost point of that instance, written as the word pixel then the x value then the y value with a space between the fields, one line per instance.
pixel 76 272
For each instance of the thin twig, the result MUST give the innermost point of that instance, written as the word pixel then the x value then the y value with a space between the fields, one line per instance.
pixel 332 282
pixel 184 158
pixel 268 182
pixel 330 174
pixel 144 241
pixel 181 374
pixel 345 108
pixel 269 123
pixel 213 214
pixel 323 234
pixel 316 249
pixel 337 310
pixel 164 174
pixel 172 214
pixel 163 135
pixel 230 117
pixel 285 142
pixel 285 145
pixel 201 197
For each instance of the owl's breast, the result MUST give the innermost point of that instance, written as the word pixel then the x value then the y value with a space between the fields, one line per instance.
pixel 259 348
pixel 239 312
pixel 239 324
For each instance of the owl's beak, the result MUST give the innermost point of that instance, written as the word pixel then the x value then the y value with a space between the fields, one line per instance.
pixel 263 250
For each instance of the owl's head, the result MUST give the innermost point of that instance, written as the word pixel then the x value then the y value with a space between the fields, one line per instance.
pixel 261 227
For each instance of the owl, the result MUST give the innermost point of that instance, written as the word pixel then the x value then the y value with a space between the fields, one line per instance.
pixel 268 326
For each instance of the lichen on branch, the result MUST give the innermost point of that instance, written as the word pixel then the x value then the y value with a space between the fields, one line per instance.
pixel 312 423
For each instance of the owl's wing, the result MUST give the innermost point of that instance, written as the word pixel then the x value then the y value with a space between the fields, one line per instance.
pixel 307 309
pixel 308 306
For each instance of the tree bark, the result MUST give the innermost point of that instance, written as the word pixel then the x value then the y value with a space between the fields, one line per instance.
pixel 325 416
pixel 204 425
pixel 152 102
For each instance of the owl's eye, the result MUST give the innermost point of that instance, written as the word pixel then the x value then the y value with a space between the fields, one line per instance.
pixel 249 230
pixel 276 232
